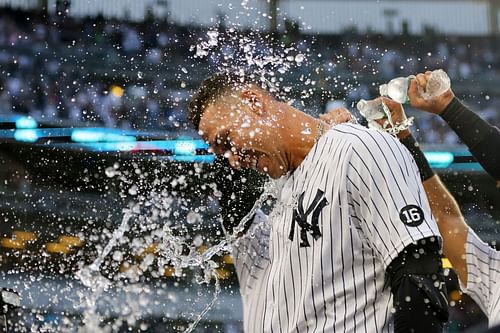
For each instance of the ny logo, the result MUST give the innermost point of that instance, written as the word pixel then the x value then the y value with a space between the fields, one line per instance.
pixel 300 217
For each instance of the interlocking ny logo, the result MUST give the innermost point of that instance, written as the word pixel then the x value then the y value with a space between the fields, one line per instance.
pixel 300 217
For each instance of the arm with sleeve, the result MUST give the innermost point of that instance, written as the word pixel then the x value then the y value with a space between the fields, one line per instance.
pixel 398 225
pixel 483 275
pixel 481 137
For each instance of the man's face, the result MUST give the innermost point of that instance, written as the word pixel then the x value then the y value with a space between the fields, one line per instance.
pixel 242 128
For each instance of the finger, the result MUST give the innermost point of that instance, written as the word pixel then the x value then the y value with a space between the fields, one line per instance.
pixel 428 75
pixel 378 124
pixel 338 115
pixel 345 117
pixel 328 118
pixel 421 80
pixel 344 114
pixel 413 90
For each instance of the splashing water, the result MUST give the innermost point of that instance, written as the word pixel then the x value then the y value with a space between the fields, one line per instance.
pixel 91 277
pixel 234 52
pixel 252 53
pixel 390 126
pixel 118 234
pixel 203 48
pixel 193 325
pixel 172 250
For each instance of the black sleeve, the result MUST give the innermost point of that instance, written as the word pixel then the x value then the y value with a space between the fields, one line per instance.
pixel 418 287
pixel 424 168
pixel 239 191
pixel 494 329
pixel 481 137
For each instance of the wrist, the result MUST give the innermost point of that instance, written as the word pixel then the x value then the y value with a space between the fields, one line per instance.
pixel 404 134
pixel 442 103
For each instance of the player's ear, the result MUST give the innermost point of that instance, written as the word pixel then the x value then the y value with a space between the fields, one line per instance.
pixel 254 100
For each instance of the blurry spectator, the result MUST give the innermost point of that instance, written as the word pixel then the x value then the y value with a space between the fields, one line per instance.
pixel 130 40
pixel 56 70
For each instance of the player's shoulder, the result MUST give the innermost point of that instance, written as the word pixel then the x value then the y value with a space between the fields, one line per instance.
pixel 361 136
pixel 351 132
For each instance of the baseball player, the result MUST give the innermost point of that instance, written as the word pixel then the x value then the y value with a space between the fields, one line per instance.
pixel 350 245
pixel 476 263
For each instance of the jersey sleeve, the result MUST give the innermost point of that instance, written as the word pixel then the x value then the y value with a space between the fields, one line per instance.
pixel 251 253
pixel 483 272
pixel 387 199
pixel 476 133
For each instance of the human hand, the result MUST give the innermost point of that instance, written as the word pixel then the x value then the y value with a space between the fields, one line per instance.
pixel 337 116
pixel 397 115
pixel 436 104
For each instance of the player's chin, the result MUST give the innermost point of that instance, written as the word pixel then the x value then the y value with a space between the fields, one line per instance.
pixel 273 171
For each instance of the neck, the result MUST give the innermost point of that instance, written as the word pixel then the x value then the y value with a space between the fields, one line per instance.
pixel 304 131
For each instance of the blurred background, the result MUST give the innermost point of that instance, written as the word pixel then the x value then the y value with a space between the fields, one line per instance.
pixel 93 104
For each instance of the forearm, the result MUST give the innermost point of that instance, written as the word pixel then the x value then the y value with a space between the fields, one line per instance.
pixel 477 134
pixel 450 222
pixel 445 209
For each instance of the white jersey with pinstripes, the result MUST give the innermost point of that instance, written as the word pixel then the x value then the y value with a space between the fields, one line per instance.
pixel 483 276
pixel 317 264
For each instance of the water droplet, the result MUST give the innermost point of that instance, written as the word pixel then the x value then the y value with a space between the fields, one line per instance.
pixel 299 58
pixel 198 241
pixel 110 172
pixel 193 217
pixel 132 190
pixel 306 131
pixel 117 256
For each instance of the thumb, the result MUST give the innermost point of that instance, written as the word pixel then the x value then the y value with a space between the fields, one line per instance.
pixel 414 96
pixel 413 93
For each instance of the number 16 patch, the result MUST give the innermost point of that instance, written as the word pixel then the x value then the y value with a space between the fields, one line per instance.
pixel 411 215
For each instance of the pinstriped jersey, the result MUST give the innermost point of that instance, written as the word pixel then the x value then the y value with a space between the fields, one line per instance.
pixel 483 276
pixel 342 216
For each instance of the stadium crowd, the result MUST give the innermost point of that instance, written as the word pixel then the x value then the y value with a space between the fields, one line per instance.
pixel 131 75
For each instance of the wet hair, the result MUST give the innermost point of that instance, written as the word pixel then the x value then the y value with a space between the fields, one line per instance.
pixel 214 87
